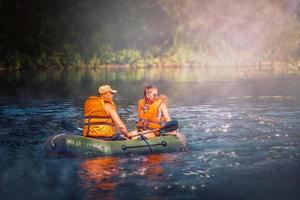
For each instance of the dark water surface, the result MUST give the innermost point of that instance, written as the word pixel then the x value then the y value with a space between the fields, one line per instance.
pixel 243 136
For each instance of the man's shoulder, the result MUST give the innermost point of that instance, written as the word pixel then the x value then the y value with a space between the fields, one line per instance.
pixel 109 105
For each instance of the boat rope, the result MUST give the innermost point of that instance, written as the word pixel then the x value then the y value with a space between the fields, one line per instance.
pixel 145 140
pixel 52 140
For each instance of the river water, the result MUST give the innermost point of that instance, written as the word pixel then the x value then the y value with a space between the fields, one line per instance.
pixel 243 137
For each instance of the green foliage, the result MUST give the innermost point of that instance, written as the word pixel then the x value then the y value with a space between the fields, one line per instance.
pixel 127 56
pixel 108 57
pixel 15 61
pixel 94 61
pixel 70 56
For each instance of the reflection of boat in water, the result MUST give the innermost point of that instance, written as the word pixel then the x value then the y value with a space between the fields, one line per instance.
pixel 79 145
pixel 102 176
pixel 97 177
pixel 99 172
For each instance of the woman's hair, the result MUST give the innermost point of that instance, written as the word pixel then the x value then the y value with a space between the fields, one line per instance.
pixel 147 88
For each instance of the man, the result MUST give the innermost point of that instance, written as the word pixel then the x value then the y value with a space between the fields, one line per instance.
pixel 152 113
pixel 101 118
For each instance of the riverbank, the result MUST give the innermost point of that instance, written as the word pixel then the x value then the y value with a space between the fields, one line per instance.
pixel 194 70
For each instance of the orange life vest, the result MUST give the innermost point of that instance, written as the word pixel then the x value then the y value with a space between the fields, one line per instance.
pixel 148 115
pixel 97 122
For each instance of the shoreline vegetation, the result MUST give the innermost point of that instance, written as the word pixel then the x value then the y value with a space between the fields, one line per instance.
pixel 234 67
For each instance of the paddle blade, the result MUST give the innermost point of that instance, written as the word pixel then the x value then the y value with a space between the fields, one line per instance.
pixel 68 126
pixel 169 126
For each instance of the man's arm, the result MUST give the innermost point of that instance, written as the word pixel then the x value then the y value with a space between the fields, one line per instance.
pixel 116 119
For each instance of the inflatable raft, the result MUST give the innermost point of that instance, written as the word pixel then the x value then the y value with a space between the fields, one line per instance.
pixel 79 145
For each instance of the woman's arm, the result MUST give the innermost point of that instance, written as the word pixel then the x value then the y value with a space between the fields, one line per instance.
pixel 165 112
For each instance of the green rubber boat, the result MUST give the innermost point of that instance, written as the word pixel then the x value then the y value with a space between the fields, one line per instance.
pixel 79 145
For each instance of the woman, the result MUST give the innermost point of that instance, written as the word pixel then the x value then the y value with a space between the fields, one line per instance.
pixel 152 113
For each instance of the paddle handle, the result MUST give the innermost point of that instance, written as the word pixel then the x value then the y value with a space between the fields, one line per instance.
pixel 145 133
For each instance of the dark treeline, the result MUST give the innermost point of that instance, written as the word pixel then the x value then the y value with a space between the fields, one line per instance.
pixel 75 33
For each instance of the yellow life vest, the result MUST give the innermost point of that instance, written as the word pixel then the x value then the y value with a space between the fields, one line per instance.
pixel 148 115
pixel 97 122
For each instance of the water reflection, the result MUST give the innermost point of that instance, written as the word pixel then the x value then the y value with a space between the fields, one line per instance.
pixel 152 166
pixel 177 83
pixel 102 176
pixel 98 174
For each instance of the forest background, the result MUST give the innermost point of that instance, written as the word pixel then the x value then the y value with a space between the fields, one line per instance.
pixel 252 35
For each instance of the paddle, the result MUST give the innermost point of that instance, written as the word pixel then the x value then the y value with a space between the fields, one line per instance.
pixel 168 127
pixel 69 126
